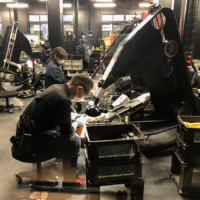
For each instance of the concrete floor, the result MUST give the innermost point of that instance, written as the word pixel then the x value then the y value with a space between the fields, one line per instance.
pixel 156 171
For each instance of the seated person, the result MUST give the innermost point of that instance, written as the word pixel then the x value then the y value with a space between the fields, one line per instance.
pixel 82 50
pixel 46 52
pixel 53 74
pixel 48 113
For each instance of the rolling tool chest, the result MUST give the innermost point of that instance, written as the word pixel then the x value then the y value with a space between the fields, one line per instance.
pixel 113 156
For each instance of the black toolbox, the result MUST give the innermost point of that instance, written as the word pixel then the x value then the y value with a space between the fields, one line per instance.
pixel 188 154
pixel 113 172
pixel 102 143
pixel 189 136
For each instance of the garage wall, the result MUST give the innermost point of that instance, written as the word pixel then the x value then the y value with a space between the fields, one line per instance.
pixel 84 13
pixel 7 16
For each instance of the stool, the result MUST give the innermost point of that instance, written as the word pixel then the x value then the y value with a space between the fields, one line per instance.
pixel 37 177
pixel 8 94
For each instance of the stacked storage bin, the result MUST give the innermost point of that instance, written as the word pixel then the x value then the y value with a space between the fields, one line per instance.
pixel 111 160
pixel 67 65
pixel 73 63
pixel 77 65
pixel 186 156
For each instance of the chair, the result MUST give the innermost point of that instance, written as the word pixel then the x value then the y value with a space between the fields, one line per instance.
pixel 8 94
pixel 37 177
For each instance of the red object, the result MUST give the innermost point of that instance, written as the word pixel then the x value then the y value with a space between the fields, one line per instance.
pixel 189 56
pixel 188 61
pixel 180 26
pixel 159 21
pixel 35 62
pixel 144 14
pixel 81 180
pixel 113 36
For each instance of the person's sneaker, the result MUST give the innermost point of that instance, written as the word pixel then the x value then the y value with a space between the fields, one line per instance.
pixel 80 180
pixel 78 186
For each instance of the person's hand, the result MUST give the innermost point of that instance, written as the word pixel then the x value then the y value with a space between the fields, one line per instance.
pixel 73 116
pixel 81 122
pixel 75 125
pixel 81 129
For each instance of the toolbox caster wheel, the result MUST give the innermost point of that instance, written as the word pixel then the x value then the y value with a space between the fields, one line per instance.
pixel 137 197
pixel 18 179
pixel 180 191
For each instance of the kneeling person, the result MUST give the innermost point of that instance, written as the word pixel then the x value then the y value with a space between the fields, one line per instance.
pixel 52 109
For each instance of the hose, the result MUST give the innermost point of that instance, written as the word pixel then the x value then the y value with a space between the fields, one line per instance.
pixel 160 140
pixel 159 131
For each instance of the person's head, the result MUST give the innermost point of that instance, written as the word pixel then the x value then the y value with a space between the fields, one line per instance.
pixel 82 41
pixel 58 55
pixel 46 46
pixel 80 86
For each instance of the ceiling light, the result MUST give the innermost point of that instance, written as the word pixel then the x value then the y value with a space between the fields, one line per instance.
pixel 145 4
pixel 104 5
pixel 6 1
pixel 104 0
pixel 43 0
pixel 12 5
pixel 67 5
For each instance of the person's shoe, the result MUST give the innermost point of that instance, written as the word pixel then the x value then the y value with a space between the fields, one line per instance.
pixel 78 186
pixel 81 181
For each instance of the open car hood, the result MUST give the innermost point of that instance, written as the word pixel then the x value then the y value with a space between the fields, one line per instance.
pixel 143 54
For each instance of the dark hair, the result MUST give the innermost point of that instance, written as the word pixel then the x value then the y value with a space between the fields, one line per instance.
pixel 59 52
pixel 82 41
pixel 85 81
pixel 46 45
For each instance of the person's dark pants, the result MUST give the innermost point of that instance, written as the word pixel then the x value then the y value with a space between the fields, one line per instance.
pixel 67 146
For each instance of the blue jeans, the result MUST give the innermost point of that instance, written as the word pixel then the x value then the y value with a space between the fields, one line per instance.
pixel 67 146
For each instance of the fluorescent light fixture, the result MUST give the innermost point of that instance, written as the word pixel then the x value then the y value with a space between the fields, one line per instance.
pixel 6 1
pixel 17 5
pixel 104 5
pixel 43 0
pixel 67 5
pixel 104 0
pixel 172 4
pixel 144 4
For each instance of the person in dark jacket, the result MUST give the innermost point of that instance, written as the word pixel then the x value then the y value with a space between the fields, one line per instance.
pixel 82 50
pixel 53 74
